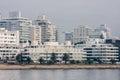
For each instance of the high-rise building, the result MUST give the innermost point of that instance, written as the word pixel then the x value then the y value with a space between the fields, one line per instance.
pixel 16 22
pixel 36 34
pixel 15 14
pixel 104 28
pixel 48 30
pixel 81 34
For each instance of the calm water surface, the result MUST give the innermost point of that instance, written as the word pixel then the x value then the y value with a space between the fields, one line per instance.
pixel 78 74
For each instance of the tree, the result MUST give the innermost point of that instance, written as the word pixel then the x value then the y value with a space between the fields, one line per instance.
pixel 66 58
pixel 98 60
pixel 89 61
pixel 53 58
pixel 72 62
pixel 41 60
pixel 19 58
pixel 113 61
pixel 29 60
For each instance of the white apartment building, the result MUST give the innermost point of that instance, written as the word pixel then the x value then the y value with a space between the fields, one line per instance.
pixel 9 52
pixel 97 49
pixel 48 30
pixel 16 22
pixel 81 33
pixel 104 28
pixel 45 51
pixel 36 34
pixel 9 37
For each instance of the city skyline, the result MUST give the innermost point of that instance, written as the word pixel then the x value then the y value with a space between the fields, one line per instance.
pixel 75 13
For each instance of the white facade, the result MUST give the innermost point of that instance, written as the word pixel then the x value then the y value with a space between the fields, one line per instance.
pixel 97 49
pixel 81 33
pixel 48 30
pixel 9 53
pixel 16 22
pixel 45 51
pixel 104 28
pixel 36 34
pixel 9 37
pixel 15 14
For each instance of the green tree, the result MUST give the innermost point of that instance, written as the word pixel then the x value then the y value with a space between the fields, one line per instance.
pixel 29 60
pixel 66 58
pixel 89 61
pixel 98 60
pixel 113 61
pixel 19 58
pixel 53 58
pixel 41 60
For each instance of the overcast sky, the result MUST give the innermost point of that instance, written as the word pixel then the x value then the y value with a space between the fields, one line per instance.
pixel 67 14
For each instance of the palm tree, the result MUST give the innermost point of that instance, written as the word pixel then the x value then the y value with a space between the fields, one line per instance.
pixel 66 58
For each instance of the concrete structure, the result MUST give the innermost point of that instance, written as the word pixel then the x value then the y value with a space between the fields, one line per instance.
pixel 97 34
pixel 36 34
pixel 48 30
pixel 45 51
pixel 81 33
pixel 97 49
pixel 104 28
pixel 15 14
pixel 9 52
pixel 69 36
pixel 16 22
pixel 9 37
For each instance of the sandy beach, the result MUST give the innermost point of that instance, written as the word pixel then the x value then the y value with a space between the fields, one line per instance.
pixel 26 67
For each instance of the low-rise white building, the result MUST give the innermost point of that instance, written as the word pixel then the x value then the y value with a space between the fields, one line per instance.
pixel 45 51
pixel 9 52
pixel 97 49
pixel 9 37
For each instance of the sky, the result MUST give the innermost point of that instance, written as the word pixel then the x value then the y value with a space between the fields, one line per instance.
pixel 67 14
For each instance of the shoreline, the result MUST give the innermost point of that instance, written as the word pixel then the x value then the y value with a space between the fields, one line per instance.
pixel 44 67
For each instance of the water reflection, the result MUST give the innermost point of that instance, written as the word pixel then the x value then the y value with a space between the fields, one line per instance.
pixel 80 74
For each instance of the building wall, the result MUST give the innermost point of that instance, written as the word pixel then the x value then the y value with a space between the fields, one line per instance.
pixel 16 22
pixel 36 34
pixel 45 51
pixel 48 30
pixel 9 37
pixel 9 52
pixel 81 33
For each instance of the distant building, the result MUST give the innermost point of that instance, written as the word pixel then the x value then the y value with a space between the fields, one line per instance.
pixel 104 28
pixel 9 37
pixel 69 36
pixel 36 34
pixel 48 30
pixel 98 49
pixel 9 52
pixel 81 34
pixel 16 22
pixel 45 51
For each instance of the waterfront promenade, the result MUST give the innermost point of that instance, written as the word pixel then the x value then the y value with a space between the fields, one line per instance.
pixel 26 67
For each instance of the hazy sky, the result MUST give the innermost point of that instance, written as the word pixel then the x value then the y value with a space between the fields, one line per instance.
pixel 67 14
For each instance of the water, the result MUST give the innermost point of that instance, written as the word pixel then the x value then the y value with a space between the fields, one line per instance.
pixel 78 74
